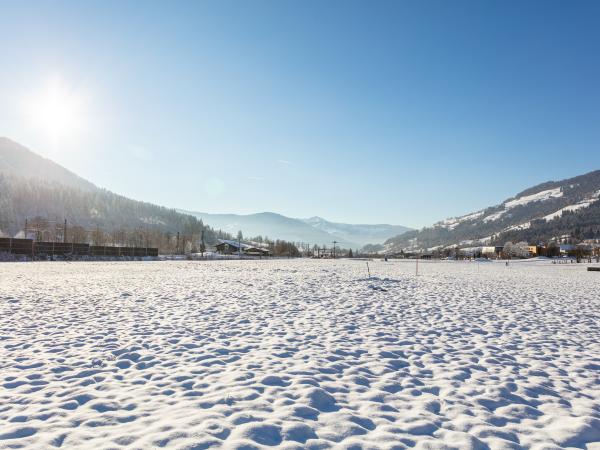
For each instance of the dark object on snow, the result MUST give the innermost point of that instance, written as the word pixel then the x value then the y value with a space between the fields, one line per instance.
pixel 593 269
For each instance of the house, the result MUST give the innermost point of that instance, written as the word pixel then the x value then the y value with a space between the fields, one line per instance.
pixel 488 251
pixel 231 247
pixel 533 250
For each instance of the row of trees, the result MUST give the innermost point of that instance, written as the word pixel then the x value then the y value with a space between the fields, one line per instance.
pixel 186 241
pixel 96 216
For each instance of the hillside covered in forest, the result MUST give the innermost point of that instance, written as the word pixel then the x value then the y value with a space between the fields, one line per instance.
pixel 555 210
pixel 42 192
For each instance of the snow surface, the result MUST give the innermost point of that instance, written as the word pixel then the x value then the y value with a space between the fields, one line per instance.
pixel 299 354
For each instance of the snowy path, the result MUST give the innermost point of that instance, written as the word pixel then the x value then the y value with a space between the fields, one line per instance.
pixel 299 354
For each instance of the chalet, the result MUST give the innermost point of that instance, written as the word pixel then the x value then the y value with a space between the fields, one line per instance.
pixel 231 247
pixel 488 251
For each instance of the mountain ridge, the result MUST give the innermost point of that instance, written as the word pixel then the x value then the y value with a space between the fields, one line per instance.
pixel 551 210
pixel 309 231
pixel 33 187
pixel 18 159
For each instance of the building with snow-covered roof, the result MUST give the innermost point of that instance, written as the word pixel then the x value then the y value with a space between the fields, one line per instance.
pixel 231 247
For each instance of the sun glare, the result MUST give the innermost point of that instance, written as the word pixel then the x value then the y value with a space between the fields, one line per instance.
pixel 56 111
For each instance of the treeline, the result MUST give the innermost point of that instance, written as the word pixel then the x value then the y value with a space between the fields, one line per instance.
pixel 186 241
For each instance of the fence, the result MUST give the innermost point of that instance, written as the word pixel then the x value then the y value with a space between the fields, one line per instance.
pixel 29 247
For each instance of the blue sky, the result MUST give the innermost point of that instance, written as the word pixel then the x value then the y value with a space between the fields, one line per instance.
pixel 398 112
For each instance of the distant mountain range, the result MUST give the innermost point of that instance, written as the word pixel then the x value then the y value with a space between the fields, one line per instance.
pixel 549 211
pixel 31 186
pixel 34 186
pixel 362 234
pixel 312 231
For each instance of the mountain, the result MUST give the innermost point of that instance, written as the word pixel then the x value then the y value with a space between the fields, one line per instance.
pixel 315 230
pixel 360 233
pixel 36 189
pixel 272 225
pixel 549 211
pixel 18 160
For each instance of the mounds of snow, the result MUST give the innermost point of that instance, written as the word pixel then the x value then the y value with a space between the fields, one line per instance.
pixel 260 433
pixel 462 441
pixel 17 433
pixel 575 431
pixel 298 432
pixel 273 380
pixel 379 279
pixel 305 412
pixel 321 400
pixel 299 354
pixel 376 287
pixel 379 284
pixel 537 197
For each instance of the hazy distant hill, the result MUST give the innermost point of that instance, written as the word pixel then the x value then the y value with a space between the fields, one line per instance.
pixel 272 225
pixel 362 234
pixel 313 231
pixel 547 211
pixel 33 186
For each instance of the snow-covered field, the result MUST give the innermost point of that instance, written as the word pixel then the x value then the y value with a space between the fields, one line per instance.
pixel 299 354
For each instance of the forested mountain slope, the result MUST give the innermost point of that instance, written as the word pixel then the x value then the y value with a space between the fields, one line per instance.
pixel 41 191
pixel 551 210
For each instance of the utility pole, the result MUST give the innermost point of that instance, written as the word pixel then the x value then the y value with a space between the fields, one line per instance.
pixel 417 270
pixel 65 232
pixel 334 242
pixel 202 242
pixel 25 227
pixel 177 250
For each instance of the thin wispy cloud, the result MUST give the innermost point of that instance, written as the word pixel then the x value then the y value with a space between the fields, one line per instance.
pixel 284 161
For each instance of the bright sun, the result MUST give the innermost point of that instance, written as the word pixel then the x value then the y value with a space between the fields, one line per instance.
pixel 56 110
